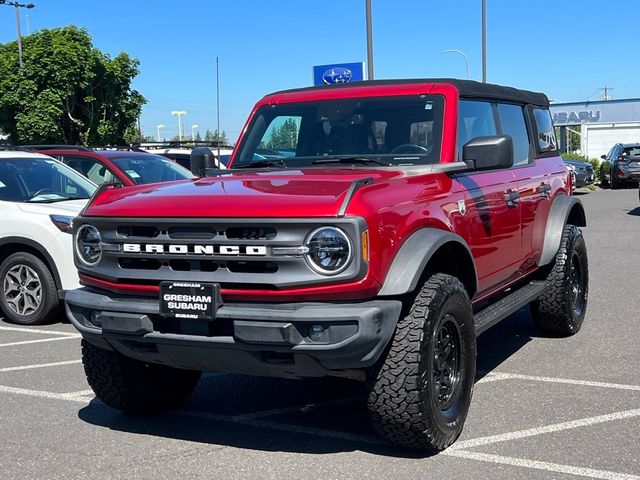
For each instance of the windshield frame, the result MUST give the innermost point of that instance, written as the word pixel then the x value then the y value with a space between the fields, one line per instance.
pixel 264 115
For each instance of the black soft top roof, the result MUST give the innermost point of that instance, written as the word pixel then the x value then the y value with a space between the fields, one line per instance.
pixel 467 89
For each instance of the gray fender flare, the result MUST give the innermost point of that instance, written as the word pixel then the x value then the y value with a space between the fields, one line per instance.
pixel 414 255
pixel 565 209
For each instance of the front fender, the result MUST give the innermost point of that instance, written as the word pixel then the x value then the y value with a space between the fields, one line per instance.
pixel 414 256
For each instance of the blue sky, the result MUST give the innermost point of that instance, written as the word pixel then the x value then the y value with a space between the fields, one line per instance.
pixel 567 49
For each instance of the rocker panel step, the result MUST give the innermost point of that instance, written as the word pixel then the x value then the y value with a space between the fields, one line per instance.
pixel 504 307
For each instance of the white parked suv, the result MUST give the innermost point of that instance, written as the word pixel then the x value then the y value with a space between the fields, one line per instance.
pixel 39 197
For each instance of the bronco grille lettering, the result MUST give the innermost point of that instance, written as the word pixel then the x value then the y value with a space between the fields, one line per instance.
pixel 252 250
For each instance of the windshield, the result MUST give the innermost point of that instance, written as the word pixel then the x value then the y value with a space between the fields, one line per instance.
pixel 404 130
pixel 41 180
pixel 142 169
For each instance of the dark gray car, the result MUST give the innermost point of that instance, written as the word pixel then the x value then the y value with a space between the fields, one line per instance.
pixel 621 165
pixel 583 171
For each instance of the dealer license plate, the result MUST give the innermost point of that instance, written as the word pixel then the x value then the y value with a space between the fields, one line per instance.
pixel 189 300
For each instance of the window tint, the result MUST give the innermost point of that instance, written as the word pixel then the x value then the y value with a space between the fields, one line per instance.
pixel 546 133
pixel 475 119
pixel 513 124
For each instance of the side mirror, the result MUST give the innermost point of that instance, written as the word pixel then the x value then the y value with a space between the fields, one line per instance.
pixel 201 158
pixel 604 157
pixel 486 153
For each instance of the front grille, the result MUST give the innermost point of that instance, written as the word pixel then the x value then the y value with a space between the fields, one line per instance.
pixel 232 252
pixel 244 233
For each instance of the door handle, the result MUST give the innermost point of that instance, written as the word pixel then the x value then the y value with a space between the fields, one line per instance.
pixel 544 189
pixel 512 197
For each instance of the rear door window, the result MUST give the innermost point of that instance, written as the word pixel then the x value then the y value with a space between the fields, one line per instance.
pixel 513 123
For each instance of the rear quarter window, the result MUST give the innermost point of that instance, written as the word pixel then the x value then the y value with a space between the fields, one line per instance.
pixel 546 135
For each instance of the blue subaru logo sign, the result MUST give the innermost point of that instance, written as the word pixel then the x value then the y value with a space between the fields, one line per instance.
pixel 338 73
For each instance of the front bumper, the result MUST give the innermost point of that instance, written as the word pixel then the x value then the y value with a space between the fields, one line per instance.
pixel 257 339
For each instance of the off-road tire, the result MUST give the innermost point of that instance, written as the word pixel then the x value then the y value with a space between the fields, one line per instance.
pixel 561 309
pixel 134 386
pixel 48 309
pixel 402 401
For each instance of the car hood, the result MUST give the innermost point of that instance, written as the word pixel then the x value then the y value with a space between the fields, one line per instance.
pixel 578 163
pixel 312 192
pixel 68 207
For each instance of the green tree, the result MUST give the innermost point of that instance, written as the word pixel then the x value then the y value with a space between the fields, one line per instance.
pixel 67 91
pixel 213 136
pixel 284 137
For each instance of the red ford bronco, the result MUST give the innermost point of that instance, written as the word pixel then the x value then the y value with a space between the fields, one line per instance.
pixel 390 224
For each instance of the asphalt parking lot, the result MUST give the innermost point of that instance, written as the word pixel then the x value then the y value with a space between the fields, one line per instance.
pixel 542 407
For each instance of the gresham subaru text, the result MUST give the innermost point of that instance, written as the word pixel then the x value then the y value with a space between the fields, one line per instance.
pixel 392 223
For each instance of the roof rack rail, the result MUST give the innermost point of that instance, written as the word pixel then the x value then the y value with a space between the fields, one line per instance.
pixel 181 143
pixel 53 147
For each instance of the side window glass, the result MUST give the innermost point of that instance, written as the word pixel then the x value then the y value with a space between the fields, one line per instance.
pixel 514 124
pixel 281 137
pixel 90 168
pixel 546 133
pixel 475 119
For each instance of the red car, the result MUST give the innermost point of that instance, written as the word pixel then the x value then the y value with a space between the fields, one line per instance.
pixel 123 166
pixel 410 217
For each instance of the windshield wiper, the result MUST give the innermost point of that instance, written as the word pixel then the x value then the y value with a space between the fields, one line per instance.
pixel 276 162
pixel 55 200
pixel 349 159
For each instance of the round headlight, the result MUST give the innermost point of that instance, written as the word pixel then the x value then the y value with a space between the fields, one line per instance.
pixel 88 245
pixel 330 250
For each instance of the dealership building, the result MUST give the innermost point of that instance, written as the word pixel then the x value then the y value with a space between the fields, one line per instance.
pixel 603 123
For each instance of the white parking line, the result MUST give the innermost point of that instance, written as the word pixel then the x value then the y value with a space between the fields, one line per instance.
pixel 556 427
pixel 71 396
pixel 35 330
pixel 40 340
pixel 492 377
pixel 545 466
pixel 40 365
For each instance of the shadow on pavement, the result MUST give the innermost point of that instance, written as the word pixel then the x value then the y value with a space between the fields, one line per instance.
pixel 337 427
pixel 325 415
pixel 635 212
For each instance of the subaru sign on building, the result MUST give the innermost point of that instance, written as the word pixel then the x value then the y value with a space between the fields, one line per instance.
pixel 338 73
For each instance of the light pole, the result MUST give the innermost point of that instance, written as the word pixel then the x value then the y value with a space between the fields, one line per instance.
pixel 18 6
pixel 179 114
pixel 193 132
pixel 466 60
pixel 158 127
pixel 484 41
pixel 369 42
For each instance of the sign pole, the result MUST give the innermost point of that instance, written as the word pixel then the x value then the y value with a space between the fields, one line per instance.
pixel 369 42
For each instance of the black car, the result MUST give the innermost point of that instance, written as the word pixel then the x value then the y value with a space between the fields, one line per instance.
pixel 583 172
pixel 621 165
